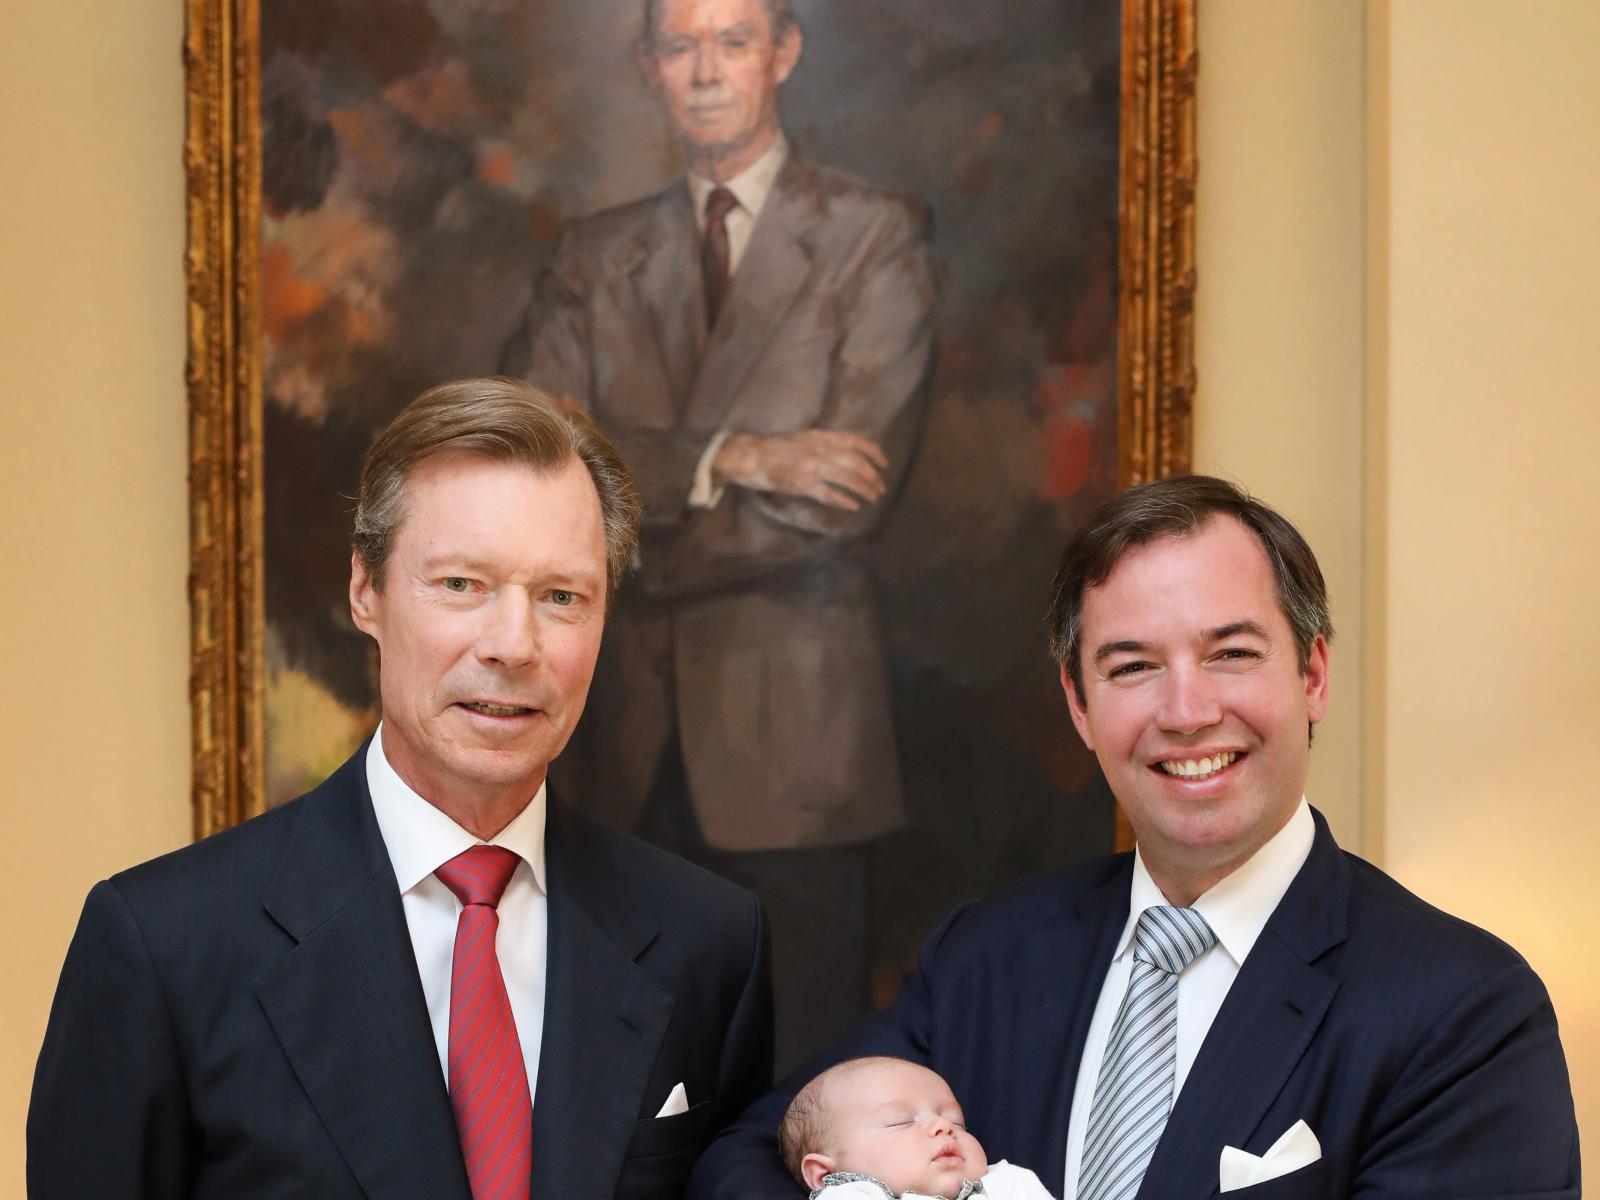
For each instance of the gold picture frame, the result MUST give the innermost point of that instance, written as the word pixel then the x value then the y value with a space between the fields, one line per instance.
pixel 222 158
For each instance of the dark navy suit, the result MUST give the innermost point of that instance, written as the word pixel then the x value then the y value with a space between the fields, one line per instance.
pixel 243 1019
pixel 1421 1050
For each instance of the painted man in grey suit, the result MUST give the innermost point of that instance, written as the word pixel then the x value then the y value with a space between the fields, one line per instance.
pixel 757 340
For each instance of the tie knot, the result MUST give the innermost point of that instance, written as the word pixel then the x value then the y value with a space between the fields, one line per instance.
pixel 1171 938
pixel 479 875
pixel 719 204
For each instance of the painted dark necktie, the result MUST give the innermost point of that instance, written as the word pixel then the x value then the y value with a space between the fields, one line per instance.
pixel 715 256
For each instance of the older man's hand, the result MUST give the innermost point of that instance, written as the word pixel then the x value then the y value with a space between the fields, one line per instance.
pixel 841 470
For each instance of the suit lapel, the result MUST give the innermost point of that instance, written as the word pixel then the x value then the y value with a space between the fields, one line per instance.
pixel 346 1003
pixel 604 1020
pixel 776 262
pixel 1078 949
pixel 1272 1011
pixel 665 269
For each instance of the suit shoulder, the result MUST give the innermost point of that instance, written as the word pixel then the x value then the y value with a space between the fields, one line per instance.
pixel 1038 902
pixel 1393 921
pixel 841 196
pixel 603 231
pixel 224 861
pixel 654 876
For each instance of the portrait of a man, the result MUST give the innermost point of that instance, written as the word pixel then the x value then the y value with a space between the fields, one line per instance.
pixel 757 338
pixel 840 282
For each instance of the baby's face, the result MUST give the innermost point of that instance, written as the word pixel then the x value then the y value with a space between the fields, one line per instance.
pixel 899 1122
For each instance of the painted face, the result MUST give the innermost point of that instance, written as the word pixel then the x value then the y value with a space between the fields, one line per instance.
pixel 899 1122
pixel 488 625
pixel 716 67
pixel 1194 702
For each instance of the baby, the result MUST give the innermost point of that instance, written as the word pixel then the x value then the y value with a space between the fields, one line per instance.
pixel 885 1127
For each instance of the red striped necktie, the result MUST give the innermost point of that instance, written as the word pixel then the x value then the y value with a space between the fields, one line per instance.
pixel 488 1080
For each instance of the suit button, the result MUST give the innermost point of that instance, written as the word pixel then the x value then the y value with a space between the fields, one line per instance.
pixel 664 665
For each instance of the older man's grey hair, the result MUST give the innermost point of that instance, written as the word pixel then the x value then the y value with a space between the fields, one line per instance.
pixel 780 15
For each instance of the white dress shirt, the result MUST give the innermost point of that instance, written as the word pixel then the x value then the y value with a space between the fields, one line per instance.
pixel 420 838
pixel 750 187
pixel 1237 909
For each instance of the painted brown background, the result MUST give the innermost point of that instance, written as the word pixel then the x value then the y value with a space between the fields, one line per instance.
pixel 417 161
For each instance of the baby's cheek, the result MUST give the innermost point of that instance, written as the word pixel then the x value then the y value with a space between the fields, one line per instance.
pixel 974 1154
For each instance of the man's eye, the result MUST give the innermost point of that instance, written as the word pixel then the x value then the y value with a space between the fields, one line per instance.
pixel 563 598
pixel 1127 670
pixel 1238 654
pixel 456 583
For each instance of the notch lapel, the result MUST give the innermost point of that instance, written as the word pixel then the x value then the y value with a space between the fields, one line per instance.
pixel 604 1020
pixel 347 1005
pixel 1063 962
pixel 665 273
pixel 777 261
pixel 1272 1012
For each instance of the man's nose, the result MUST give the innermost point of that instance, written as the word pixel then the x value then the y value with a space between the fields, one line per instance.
pixel 707 65
pixel 1189 701
pixel 510 632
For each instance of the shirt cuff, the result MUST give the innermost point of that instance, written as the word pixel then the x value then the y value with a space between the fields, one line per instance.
pixel 705 493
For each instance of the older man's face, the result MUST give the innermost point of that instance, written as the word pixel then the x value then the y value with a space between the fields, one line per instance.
pixel 487 625
pixel 716 66
pixel 1194 701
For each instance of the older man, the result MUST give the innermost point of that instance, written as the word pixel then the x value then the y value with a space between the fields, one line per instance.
pixel 426 978
pixel 1237 1001
pixel 757 340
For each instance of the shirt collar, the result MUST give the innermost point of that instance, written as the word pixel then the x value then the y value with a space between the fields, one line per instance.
pixel 420 838
pixel 750 187
pixel 1238 906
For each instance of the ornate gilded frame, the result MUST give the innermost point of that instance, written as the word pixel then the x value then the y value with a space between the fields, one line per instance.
pixel 222 162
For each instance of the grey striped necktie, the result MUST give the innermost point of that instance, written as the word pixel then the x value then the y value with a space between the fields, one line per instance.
pixel 1134 1092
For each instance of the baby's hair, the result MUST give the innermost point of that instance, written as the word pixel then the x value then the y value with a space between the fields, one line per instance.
pixel 805 1128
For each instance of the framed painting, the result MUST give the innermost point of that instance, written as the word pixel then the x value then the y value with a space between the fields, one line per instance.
pixel 386 194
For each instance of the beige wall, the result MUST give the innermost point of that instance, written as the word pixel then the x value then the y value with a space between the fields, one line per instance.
pixel 1487 402
pixel 1397 253
pixel 1395 238
pixel 1279 313
pixel 93 722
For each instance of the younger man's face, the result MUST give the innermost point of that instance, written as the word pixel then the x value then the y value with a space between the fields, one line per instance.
pixel 897 1122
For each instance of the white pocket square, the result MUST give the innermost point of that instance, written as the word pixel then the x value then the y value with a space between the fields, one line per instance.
pixel 677 1102
pixel 1297 1148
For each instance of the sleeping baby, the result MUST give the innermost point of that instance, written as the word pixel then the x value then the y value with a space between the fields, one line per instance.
pixel 871 1128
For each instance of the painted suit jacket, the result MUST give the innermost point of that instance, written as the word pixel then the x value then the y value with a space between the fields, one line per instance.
pixel 753 626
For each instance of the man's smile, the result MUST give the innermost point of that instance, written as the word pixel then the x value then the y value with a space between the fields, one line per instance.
pixel 1201 767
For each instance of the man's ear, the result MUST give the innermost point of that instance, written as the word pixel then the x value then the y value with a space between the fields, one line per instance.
pixel 363 596
pixel 1317 680
pixel 1076 706
pixel 813 1167
pixel 786 53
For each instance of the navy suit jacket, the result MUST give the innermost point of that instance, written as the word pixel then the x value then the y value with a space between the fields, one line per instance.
pixel 243 1019
pixel 1421 1050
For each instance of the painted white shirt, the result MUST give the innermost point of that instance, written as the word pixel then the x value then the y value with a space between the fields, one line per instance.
pixel 750 188
pixel 1237 909
pixel 420 838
